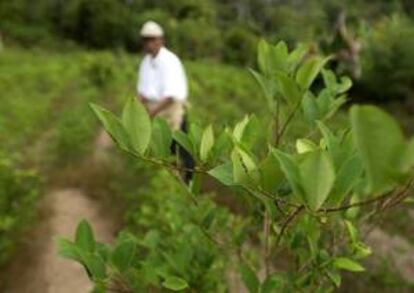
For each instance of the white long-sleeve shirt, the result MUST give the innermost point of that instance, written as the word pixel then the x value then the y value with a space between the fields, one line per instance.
pixel 162 77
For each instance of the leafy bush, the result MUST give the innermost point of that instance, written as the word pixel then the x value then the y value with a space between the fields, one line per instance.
pixel 239 46
pixel 212 86
pixel 305 194
pixel 73 134
pixel 388 59
pixel 19 191
pixel 97 23
pixel 158 254
pixel 197 38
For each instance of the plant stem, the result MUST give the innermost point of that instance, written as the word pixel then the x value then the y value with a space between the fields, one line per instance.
pixel 287 222
pixel 288 120
pixel 266 248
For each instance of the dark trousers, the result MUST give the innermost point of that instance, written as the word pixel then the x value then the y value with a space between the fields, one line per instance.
pixel 187 160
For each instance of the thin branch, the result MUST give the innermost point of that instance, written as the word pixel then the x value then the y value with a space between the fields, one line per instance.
pixel 353 205
pixel 287 222
pixel 369 201
pixel 272 196
pixel 399 197
pixel 266 229
pixel 288 120
pixel 276 121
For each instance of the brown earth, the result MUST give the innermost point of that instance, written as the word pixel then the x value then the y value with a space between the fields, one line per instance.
pixel 37 267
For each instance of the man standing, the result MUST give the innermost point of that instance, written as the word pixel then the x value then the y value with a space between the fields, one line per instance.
pixel 162 84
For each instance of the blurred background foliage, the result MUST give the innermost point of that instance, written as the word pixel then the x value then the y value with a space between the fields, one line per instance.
pixel 228 30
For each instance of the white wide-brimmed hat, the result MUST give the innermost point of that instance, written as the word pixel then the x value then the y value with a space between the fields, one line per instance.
pixel 151 29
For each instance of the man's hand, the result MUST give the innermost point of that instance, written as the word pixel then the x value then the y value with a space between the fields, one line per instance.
pixel 165 103
pixel 143 99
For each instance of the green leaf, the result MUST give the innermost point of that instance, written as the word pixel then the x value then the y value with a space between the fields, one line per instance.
pixel 325 103
pixel 345 85
pixel 310 108
pixel 291 171
pixel 317 176
pixel 175 283
pixel 352 231
pixel 123 255
pixel 249 278
pixel 407 157
pixel 223 173
pixel 244 167
pixel 304 145
pixel 263 53
pixel 95 265
pixel 380 142
pixel 84 238
pixel 251 132
pixel 331 142
pixel 309 71
pixel 222 146
pixel 195 134
pixel 207 143
pixel 352 213
pixel 278 56
pixel 69 250
pixel 183 140
pixel 296 56
pixel 104 250
pixel 266 87
pixel 348 264
pixel 289 88
pixel 240 128
pixel 361 250
pixel 271 175
pixel 137 124
pixel 332 84
pixel 113 126
pixel 161 138
pixel 335 277
pixel 347 177
pixel 329 78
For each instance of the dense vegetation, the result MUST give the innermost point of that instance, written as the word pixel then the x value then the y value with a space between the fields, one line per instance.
pixel 58 56
pixel 46 123
pixel 229 30
pixel 305 195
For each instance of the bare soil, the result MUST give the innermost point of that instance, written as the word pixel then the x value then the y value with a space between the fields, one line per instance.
pixel 37 267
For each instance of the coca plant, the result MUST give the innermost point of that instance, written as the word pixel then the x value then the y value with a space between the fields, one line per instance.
pixel 312 184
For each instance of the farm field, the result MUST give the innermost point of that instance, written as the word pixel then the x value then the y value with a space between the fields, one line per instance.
pixel 288 167
pixel 70 169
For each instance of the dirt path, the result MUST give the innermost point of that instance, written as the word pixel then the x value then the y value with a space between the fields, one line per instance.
pixel 394 248
pixel 37 268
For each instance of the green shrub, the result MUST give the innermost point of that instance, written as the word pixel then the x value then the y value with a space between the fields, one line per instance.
pixel 298 193
pixel 176 226
pixel 19 192
pixel 388 59
pixel 73 135
pixel 97 23
pixel 196 38
pixel 239 46
pixel 214 85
